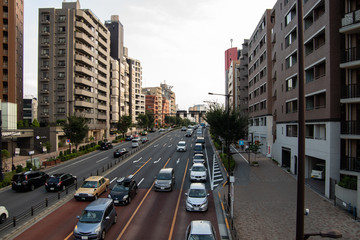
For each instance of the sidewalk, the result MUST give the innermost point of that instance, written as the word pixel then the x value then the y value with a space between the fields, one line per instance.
pixel 265 204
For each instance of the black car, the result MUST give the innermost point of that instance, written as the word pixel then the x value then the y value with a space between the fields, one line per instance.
pixel 28 180
pixel 124 190
pixel 59 181
pixel 120 152
pixel 106 146
pixel 128 138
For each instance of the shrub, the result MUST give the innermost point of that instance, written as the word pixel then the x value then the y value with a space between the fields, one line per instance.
pixel 29 165
pixel 349 182
pixel 19 169
pixel 61 153
pixel 224 160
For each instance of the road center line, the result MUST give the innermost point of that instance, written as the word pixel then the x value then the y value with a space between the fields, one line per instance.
pixel 101 159
pixel 178 203
pixel 141 167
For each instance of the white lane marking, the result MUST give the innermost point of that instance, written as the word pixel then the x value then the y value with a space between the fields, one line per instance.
pixel 171 139
pixel 156 145
pixel 135 161
pixel 113 180
pixel 164 145
pixel 177 162
pixel 140 181
pixel 56 170
pixel 170 145
pixel 101 159
pixel 157 160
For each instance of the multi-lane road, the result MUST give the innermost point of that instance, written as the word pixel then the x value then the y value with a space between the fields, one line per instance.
pixel 150 215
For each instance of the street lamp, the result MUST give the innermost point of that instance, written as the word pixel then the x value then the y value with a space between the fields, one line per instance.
pixel 227 140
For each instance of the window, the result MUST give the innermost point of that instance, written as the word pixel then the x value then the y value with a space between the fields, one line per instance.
pixel 291 130
pixel 291 83
pixel 289 17
pixel 62 18
pixel 61 29
pixel 61 87
pixel 61 40
pixel 308 21
pixel 291 60
pixel 61 110
pixel 61 63
pixel 289 39
pixel 46 29
pixel 291 106
pixel 45 74
pixel 45 99
pixel 61 75
pixel 61 98
pixel 309 75
pixel 309 47
pixel 44 52
pixel 310 103
pixel 61 52
pixel 309 129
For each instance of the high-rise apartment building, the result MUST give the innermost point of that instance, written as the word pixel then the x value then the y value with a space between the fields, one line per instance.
pixel 137 98
pixel 350 97
pixel 74 67
pixel 233 74
pixel 231 55
pixel 30 109
pixel 322 86
pixel 154 100
pixel 170 96
pixel 11 52
pixel 242 83
pixel 260 84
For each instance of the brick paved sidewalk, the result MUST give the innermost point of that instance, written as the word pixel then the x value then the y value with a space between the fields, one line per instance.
pixel 265 204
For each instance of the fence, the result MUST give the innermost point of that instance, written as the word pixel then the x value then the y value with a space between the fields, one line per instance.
pixel 346 206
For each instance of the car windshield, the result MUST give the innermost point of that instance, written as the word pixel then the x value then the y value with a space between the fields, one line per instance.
pixel 197 193
pixel 198 157
pixel 318 168
pixel 90 216
pixel 198 169
pixel 90 184
pixel 201 237
pixel 120 188
pixel 164 176
pixel 20 177
pixel 181 144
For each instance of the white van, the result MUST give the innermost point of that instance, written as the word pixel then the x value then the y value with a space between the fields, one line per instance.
pixel 135 142
pixel 318 172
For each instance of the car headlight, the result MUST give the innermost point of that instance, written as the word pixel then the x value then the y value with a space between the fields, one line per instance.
pixel 125 197
pixel 98 230
pixel 76 229
pixel 109 196
pixel 156 182
pixel 76 194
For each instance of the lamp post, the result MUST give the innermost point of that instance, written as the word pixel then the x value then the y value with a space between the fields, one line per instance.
pixel 227 144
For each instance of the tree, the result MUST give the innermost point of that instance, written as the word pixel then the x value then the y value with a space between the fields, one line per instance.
pixel 142 120
pixel 151 120
pixel 4 156
pixel 170 120
pixel 20 124
pixel 35 123
pixel 124 124
pixel 75 129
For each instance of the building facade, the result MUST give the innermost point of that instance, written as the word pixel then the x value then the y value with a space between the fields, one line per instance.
pixel 154 100
pixel 11 76
pixel 137 98
pixel 30 109
pixel 74 67
pixel 241 80
pixel 260 85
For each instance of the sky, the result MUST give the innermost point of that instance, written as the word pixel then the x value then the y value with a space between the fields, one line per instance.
pixel 179 42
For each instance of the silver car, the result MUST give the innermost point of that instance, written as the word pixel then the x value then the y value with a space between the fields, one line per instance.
pixel 197 198
pixel 198 172
pixel 199 158
pixel 165 180
pixel 96 220
pixel 200 229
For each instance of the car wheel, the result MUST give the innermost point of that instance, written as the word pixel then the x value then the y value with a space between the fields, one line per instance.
pixel 115 219
pixel 2 218
pixel 32 187
pixel 103 233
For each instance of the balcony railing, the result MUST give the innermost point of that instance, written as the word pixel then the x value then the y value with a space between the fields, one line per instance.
pixel 350 163
pixel 350 18
pixel 350 91
pixel 350 127
pixel 350 54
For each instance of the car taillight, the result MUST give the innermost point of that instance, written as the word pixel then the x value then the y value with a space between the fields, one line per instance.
pixel 59 183
pixel 26 177
pixel 46 184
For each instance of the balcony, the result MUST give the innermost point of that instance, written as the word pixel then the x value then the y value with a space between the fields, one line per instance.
pixel 350 127
pixel 44 103
pixel 44 91
pixel 350 163
pixel 5 90
pixel 350 22
pixel 350 58
pixel 351 93
pixel 44 79
pixel 45 115
pixel 5 39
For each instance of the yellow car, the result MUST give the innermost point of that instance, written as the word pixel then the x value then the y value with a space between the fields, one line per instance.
pixel 92 188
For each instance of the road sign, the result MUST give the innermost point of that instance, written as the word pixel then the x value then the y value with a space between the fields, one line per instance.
pixel 241 142
pixel 67 140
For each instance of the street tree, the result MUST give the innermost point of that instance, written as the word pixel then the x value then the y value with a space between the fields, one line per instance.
pixel 151 120
pixel 75 129
pixel 142 120
pixel 124 124
pixel 35 123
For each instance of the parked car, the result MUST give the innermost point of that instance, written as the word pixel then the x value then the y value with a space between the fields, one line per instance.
pixel 200 229
pixel 198 172
pixel 59 181
pixel 165 180
pixel 28 180
pixel 197 198
pixel 199 158
pixel 135 143
pixel 96 220
pixel 128 138
pixel 120 152
pixel 144 139
pixel 318 171
pixel 106 146
pixel 4 214
pixel 198 148
pixel 183 129
pixel 92 188
pixel 181 146
pixel 124 190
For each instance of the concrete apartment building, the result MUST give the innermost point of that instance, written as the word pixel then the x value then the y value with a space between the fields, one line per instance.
pixel 350 101
pixel 74 67
pixel 322 86
pixel 170 96
pixel 260 85
pixel 233 75
pixel 137 98
pixel 231 54
pixel 154 100
pixel 242 82
pixel 12 38
pixel 30 109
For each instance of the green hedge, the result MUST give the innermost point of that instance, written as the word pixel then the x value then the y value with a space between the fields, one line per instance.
pixel 224 160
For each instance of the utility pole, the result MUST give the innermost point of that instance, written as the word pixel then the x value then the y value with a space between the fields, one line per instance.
pixel 1 169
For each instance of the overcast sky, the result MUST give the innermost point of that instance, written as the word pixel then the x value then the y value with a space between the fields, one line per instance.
pixel 181 42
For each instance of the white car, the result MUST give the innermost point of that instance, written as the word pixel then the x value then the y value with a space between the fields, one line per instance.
pixel 318 172
pixel 199 158
pixel 4 214
pixel 200 229
pixel 198 172
pixel 197 198
pixel 181 146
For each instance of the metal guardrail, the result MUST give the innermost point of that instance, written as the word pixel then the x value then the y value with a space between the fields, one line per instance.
pixel 49 201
